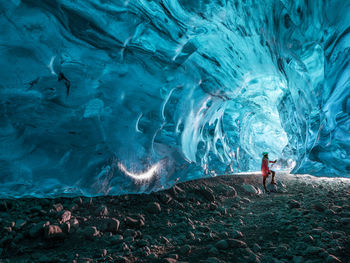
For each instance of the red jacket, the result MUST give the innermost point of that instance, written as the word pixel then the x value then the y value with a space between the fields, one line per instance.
pixel 265 166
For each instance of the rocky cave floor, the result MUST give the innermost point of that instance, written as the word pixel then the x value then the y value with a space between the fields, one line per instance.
pixel 221 219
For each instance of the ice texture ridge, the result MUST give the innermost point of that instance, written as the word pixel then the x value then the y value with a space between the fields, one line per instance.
pixel 109 97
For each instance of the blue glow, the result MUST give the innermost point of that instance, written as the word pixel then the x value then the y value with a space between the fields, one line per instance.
pixel 187 88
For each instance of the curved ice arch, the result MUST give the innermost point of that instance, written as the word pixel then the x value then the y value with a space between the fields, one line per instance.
pixel 187 83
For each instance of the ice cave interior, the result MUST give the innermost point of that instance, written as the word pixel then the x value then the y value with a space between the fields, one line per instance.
pixel 111 97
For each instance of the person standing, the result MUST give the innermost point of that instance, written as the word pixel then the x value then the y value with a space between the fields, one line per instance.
pixel 265 170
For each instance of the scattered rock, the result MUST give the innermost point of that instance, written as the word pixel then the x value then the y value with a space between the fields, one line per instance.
pixel 176 192
pixel 311 250
pixel 66 227
pixel 345 221
pixel 87 202
pixel 142 243
pixel 19 224
pixel 317 231
pixel 58 207
pixel 316 236
pixel 207 193
pixel 332 259
pixel 72 207
pixel 53 232
pixel 308 239
pixel 256 248
pixel 337 234
pixel 74 224
pixel 165 198
pixel 174 256
pixel 294 204
pixel 250 189
pixel 214 260
pixel 102 211
pixel 65 216
pixel 89 232
pixel 337 208
pixel 330 212
pixel 86 260
pixel 326 235
pixel 252 257
pixel 213 250
pixel 345 214
pixel 121 259
pixel 272 188
pixel 330 193
pixel 37 229
pixel 8 229
pixel 298 259
pixel 186 249
pixel 235 243
pixel 110 225
pixel 78 200
pixel 221 244
pixel 116 239
pixel 282 249
pixel 225 190
pixel 134 223
pixel 164 240
pixel 236 234
pixel 153 208
pixel 129 233
pixel 213 206
pixel 152 256
pixel 245 200
pixel 101 253
pixel 319 207
pixel 169 260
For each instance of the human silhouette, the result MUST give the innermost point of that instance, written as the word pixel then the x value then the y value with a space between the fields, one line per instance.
pixel 265 170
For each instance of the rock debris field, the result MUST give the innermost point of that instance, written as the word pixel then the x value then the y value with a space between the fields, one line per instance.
pixel 221 219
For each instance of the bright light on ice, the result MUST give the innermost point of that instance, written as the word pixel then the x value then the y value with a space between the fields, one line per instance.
pixel 141 176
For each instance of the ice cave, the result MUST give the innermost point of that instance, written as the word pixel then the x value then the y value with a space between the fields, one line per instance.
pixel 111 97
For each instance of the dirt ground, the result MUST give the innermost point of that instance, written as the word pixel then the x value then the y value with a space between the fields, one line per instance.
pixel 221 219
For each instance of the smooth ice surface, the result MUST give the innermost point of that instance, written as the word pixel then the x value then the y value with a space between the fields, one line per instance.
pixel 109 97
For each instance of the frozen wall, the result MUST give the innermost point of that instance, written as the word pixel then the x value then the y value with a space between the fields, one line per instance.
pixel 108 97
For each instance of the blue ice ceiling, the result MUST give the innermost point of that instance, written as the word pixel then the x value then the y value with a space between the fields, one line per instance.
pixel 110 97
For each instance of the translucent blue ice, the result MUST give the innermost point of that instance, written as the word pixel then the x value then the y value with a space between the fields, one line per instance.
pixel 111 97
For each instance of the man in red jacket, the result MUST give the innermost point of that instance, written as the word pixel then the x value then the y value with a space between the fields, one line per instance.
pixel 265 170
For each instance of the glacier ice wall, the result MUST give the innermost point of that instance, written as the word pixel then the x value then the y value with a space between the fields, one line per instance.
pixel 110 97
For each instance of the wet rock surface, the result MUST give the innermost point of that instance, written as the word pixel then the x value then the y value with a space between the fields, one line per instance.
pixel 222 219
